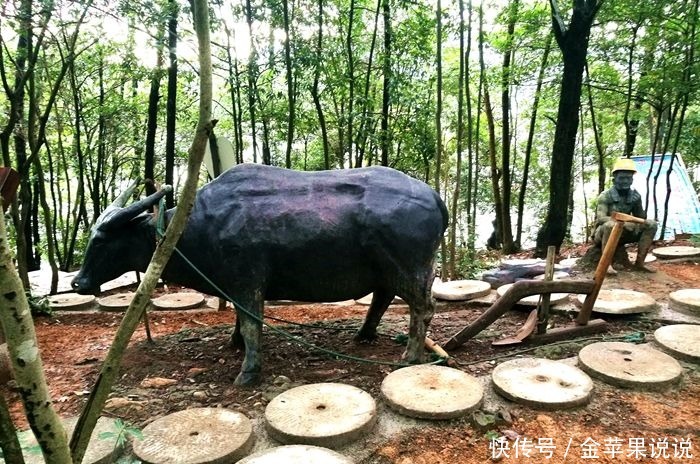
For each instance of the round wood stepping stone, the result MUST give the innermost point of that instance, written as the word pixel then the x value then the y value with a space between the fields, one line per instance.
pixel 629 365
pixel 196 436
pixel 681 341
pixel 621 301
pixel 432 392
pixel 460 290
pixel 322 414
pixel 296 454
pixel 116 302
pixel 100 450
pixel 179 300
pixel 71 302
pixel 532 300
pixel 367 300
pixel 686 300
pixel 542 383
pixel 558 275
pixel 676 252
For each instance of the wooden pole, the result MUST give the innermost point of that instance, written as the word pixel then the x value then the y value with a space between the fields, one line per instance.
pixel 604 263
pixel 543 313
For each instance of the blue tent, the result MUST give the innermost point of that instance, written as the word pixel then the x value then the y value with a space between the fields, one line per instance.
pixel 683 205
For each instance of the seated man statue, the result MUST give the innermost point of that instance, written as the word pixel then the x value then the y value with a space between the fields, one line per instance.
pixel 621 197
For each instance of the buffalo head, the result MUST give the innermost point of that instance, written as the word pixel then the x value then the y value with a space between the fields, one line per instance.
pixel 121 240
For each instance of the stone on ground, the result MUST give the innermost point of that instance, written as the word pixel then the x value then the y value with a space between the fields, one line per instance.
pixel 432 392
pixel 322 414
pixel 71 302
pixel 460 290
pixel 296 454
pixel 682 341
pixel 621 301
pixel 629 365
pixel 542 383
pixel 533 300
pixel 116 302
pixel 196 436
pixel 676 252
pixel 686 300
pixel 102 448
pixel 178 300
pixel 367 300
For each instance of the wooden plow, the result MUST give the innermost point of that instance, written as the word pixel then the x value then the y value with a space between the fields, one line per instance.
pixel 584 325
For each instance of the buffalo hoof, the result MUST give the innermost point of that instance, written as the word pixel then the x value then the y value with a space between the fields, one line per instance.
pixel 248 379
pixel 364 338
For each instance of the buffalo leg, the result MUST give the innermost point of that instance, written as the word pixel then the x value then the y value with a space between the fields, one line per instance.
pixel 381 299
pixel 422 305
pixel 251 331
pixel 236 337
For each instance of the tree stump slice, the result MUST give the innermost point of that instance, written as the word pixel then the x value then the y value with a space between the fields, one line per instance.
pixel 99 451
pixel 178 301
pixel 367 300
pixel 629 365
pixel 322 414
pixel 621 301
pixel 686 301
pixel 533 300
pixel 71 302
pixel 117 302
pixel 296 454
pixel 542 383
pixel 682 341
pixel 460 290
pixel 432 392
pixel 196 436
pixel 676 252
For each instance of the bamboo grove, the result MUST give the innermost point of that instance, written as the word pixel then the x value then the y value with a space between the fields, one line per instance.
pixel 505 107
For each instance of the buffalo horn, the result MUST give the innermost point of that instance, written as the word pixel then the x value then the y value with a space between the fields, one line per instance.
pixel 118 203
pixel 124 215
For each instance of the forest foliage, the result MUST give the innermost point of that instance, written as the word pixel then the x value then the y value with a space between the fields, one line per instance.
pixel 464 95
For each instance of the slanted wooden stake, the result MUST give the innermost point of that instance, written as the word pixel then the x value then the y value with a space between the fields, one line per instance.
pixel 543 314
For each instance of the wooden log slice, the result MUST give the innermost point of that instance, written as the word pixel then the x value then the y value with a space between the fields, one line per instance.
pixel 676 252
pixel 532 300
pixel 178 301
pixel 621 301
pixel 682 341
pixel 686 301
pixel 296 454
pixel 432 392
pixel 196 436
pixel 460 290
pixel 116 302
pixel 71 302
pixel 102 447
pixel 322 414
pixel 557 275
pixel 629 365
pixel 542 383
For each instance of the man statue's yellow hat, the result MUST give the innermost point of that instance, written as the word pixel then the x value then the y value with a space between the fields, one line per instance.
pixel 624 164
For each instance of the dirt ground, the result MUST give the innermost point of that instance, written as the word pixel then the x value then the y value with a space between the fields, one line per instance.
pixel 190 350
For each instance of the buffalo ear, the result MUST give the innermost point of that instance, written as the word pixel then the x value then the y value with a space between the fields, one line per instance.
pixel 120 216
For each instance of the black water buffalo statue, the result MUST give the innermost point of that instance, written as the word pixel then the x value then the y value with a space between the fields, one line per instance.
pixel 260 232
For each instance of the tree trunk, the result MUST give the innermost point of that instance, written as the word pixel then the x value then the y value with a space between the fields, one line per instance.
pixel 530 140
pixel 573 42
pixel 315 91
pixel 351 82
pixel 386 85
pixel 438 124
pixel 110 367
pixel 252 76
pixel 171 101
pixel 291 96
pixel 366 100
pixel 18 327
pixel 600 150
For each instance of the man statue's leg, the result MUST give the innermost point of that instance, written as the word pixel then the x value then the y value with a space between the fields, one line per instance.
pixel 644 245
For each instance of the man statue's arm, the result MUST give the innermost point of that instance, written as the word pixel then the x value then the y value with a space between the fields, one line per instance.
pixel 637 209
pixel 602 213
